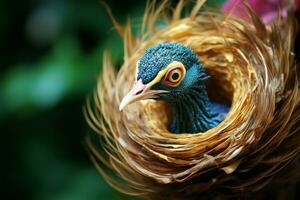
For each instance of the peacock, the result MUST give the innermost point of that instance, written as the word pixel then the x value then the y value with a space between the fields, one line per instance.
pixel 204 106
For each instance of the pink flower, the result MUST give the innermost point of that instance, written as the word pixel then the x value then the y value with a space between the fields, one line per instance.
pixel 268 10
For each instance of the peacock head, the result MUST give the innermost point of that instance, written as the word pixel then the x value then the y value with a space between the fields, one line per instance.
pixel 166 71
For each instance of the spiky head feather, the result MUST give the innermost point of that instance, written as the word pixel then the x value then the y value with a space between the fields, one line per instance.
pixel 160 55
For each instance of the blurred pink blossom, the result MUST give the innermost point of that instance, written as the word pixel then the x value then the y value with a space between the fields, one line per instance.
pixel 268 10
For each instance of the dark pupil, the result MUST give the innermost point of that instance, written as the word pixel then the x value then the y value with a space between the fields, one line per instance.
pixel 175 76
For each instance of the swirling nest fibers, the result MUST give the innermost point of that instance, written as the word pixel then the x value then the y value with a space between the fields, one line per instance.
pixel 252 68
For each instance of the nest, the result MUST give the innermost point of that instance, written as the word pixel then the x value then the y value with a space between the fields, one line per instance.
pixel 257 145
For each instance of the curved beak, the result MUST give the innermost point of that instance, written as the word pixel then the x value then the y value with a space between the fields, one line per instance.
pixel 139 92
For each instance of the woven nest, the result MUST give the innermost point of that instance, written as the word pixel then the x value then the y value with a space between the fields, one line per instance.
pixel 251 67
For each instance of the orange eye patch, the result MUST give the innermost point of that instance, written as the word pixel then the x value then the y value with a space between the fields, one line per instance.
pixel 174 75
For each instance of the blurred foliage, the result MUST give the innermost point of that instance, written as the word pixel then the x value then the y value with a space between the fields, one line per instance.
pixel 51 55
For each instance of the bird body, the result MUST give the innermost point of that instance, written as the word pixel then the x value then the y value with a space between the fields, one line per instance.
pixel 160 67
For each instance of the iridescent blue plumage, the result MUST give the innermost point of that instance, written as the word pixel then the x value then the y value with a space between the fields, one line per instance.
pixel 192 110
pixel 159 56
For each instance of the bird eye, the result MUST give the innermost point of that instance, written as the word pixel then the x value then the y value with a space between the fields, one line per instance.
pixel 174 76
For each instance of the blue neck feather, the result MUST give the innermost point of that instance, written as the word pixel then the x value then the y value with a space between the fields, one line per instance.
pixel 193 112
